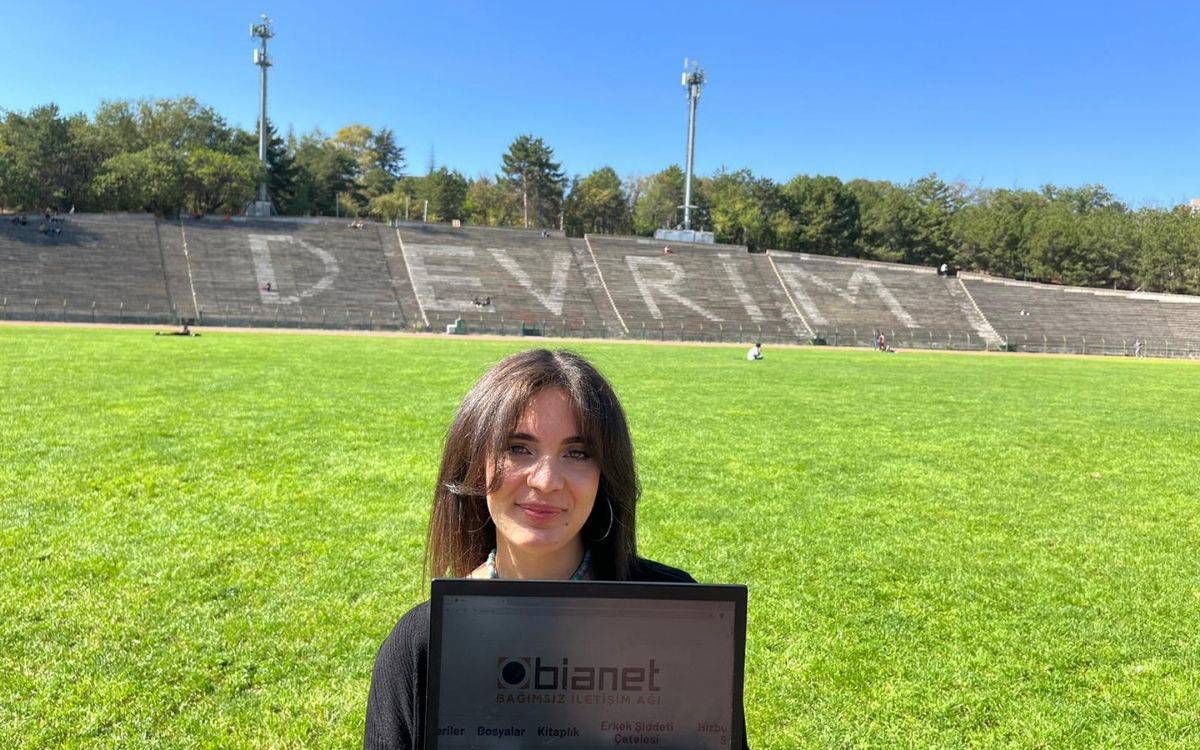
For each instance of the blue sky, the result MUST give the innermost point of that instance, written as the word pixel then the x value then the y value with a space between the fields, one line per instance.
pixel 1004 95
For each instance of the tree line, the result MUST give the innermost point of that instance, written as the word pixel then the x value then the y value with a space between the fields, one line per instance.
pixel 178 156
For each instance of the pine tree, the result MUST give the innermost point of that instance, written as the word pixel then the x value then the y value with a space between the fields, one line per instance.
pixel 281 170
pixel 531 171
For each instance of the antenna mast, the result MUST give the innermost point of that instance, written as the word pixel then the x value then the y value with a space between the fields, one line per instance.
pixel 693 81
pixel 262 206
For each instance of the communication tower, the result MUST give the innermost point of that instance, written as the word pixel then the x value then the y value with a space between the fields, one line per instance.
pixel 262 205
pixel 693 81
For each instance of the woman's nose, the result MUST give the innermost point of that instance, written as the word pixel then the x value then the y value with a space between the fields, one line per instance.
pixel 545 475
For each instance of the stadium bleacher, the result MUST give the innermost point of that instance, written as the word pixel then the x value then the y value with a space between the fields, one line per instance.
pixel 334 273
pixel 695 292
pixel 316 273
pixel 393 257
pixel 1044 317
pixel 500 281
pixel 846 301
pixel 99 268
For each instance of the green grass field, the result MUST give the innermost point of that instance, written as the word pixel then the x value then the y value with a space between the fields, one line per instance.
pixel 203 541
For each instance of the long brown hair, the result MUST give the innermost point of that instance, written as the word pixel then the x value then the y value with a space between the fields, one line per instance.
pixel 461 532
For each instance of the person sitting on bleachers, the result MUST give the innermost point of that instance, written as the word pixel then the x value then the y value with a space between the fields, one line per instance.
pixel 755 352
pixel 266 287
pixel 668 251
pixel 485 302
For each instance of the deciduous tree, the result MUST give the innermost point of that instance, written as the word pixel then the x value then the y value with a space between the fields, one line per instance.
pixel 153 179
pixel 325 175
pixel 489 202
pixel 823 216
pixel 658 205
pixel 596 203
pixel 43 162
pixel 446 191
pixel 743 209
pixel 216 181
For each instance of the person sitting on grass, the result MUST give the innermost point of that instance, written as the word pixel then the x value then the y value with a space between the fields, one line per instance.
pixel 537 481
pixel 184 331
pixel 755 352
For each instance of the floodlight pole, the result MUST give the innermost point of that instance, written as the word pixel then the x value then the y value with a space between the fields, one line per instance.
pixel 263 31
pixel 693 80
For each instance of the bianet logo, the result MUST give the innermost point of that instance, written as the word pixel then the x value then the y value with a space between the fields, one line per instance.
pixel 534 673
pixel 513 672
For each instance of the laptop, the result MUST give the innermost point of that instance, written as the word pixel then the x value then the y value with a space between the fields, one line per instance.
pixel 585 664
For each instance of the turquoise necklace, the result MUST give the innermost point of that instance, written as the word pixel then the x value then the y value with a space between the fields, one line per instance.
pixel 585 566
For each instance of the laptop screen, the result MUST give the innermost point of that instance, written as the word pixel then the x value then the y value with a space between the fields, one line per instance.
pixel 585 665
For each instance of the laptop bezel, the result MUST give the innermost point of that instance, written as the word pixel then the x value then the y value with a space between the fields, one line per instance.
pixel 440 588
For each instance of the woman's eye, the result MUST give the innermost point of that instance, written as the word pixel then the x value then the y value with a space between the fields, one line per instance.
pixel 578 455
pixel 518 450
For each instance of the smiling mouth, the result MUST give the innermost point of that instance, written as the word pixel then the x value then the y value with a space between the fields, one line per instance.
pixel 541 512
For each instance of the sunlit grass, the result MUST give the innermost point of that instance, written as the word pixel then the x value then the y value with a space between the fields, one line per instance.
pixel 203 541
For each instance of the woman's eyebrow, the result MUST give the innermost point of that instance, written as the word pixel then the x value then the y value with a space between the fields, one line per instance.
pixel 531 439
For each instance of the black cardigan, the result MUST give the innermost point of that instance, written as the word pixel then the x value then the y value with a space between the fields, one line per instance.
pixel 396 705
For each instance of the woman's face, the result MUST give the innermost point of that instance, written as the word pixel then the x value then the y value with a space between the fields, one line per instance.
pixel 548 481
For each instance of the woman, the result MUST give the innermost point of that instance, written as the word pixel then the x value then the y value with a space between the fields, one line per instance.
pixel 537 482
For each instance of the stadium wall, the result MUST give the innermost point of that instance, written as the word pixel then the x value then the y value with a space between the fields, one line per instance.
pixel 331 273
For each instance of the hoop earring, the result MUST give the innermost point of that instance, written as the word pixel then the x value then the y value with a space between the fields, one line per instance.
pixel 611 517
